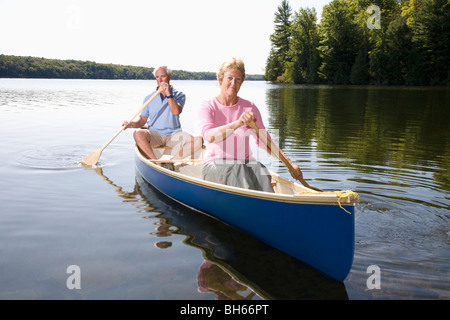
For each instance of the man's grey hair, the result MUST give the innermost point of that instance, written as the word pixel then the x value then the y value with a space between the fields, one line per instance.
pixel 168 71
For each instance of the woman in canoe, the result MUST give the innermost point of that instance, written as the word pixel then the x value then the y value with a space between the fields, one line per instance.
pixel 224 126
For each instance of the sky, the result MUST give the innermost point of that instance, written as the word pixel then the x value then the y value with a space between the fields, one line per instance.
pixel 195 35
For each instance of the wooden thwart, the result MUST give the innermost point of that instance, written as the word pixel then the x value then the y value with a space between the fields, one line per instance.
pixel 174 161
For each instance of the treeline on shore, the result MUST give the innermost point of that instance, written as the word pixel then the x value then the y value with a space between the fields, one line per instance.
pixel 393 42
pixel 32 67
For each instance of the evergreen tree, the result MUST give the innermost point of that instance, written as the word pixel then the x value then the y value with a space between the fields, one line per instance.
pixel 410 46
pixel 432 35
pixel 341 37
pixel 359 71
pixel 279 42
pixel 303 56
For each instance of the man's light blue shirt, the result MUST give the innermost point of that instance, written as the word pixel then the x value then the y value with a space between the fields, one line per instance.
pixel 160 118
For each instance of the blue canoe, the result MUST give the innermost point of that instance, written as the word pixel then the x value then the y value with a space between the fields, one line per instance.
pixel 314 227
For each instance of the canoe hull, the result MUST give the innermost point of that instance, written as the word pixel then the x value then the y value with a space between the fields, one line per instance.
pixel 317 234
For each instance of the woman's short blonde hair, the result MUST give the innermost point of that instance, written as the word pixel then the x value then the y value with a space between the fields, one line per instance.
pixel 233 64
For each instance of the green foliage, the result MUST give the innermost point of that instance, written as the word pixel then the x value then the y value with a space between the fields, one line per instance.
pixel 280 41
pixel 411 46
pixel 303 53
pixel 432 35
pixel 340 40
pixel 29 67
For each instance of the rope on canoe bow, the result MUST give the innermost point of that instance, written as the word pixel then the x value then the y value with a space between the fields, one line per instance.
pixel 343 194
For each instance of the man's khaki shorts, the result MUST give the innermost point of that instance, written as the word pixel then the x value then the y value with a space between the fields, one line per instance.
pixel 175 141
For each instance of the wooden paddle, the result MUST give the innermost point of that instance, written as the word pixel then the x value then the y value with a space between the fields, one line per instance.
pixel 276 151
pixel 92 158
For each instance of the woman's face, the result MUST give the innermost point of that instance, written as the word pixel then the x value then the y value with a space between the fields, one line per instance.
pixel 231 83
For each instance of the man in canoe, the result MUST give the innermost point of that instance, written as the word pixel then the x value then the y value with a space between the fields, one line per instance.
pixel 162 116
pixel 224 124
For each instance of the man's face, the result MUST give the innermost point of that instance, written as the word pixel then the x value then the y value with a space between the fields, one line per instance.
pixel 162 76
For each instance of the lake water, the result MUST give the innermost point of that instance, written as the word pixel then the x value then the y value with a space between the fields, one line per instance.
pixel 389 144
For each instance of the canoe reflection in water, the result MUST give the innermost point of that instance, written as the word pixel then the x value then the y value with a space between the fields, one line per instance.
pixel 236 265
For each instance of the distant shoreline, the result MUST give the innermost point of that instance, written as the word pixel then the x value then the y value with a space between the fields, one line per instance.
pixel 21 67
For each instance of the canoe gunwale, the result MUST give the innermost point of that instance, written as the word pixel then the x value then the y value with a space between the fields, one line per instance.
pixel 306 196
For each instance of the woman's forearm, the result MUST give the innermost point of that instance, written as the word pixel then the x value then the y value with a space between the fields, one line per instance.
pixel 221 133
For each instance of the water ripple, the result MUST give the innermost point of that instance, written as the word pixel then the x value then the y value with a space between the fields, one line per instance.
pixel 54 158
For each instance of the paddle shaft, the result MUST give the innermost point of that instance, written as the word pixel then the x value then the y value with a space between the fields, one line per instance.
pixel 92 158
pixel 275 150
pixel 131 119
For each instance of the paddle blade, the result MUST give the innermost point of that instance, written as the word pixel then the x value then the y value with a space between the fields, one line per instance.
pixel 91 159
